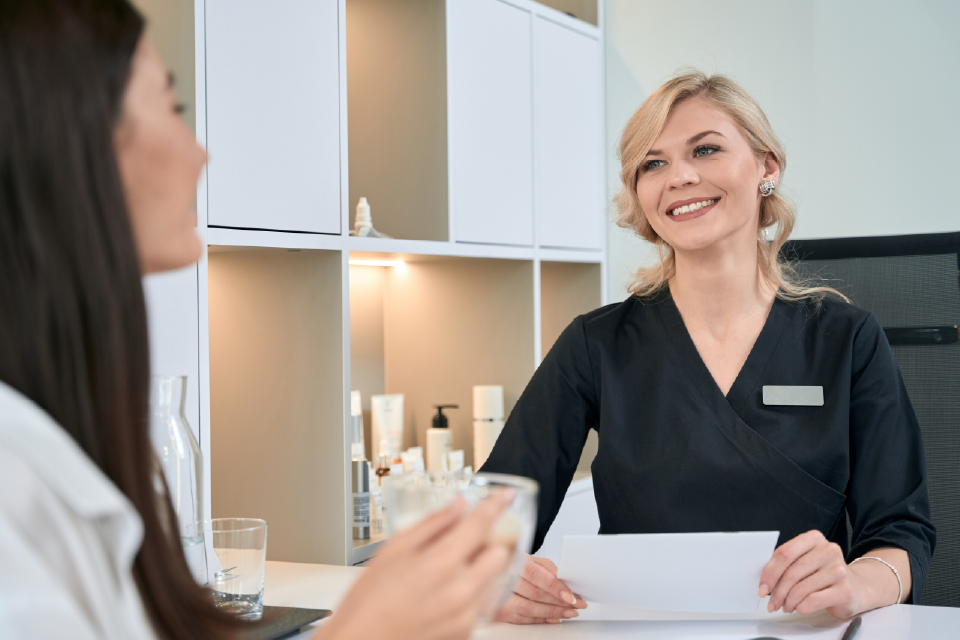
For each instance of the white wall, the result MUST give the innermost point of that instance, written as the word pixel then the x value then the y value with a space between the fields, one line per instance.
pixel 862 93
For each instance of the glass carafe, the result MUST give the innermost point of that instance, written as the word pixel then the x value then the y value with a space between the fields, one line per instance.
pixel 182 463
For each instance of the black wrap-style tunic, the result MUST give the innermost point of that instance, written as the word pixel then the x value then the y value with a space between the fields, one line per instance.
pixel 676 455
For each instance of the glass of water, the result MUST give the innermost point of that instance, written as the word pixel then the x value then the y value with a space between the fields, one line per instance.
pixel 235 551
pixel 410 498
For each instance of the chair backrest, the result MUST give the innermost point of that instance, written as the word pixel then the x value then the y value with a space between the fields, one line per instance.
pixel 912 285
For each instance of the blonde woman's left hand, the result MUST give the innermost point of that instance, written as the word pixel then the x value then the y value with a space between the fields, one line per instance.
pixel 809 573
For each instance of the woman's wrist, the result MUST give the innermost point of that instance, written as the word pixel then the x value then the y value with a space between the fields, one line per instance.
pixel 877 584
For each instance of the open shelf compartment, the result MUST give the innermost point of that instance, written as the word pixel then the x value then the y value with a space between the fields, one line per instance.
pixel 276 397
pixel 435 327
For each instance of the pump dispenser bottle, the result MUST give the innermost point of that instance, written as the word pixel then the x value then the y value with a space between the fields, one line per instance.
pixel 439 439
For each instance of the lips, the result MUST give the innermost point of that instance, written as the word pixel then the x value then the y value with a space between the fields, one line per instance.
pixel 690 205
pixel 684 210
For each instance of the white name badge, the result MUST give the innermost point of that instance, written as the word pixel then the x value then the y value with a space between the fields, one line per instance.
pixel 793 396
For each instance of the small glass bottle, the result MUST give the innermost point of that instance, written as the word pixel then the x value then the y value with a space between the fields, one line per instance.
pixel 182 463
pixel 384 470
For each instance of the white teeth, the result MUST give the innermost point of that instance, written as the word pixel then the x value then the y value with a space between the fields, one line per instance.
pixel 692 207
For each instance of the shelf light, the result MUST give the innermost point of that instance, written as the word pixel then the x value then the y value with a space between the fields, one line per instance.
pixel 377 263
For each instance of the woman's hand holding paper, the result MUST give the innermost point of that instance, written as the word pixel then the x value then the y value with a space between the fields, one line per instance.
pixel 809 573
pixel 540 596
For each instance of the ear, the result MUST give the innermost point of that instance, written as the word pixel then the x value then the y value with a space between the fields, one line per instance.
pixel 771 168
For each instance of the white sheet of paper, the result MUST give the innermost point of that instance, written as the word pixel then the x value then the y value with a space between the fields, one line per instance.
pixel 668 572
pixel 612 612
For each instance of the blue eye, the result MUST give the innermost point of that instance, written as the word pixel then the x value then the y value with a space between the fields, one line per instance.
pixel 652 164
pixel 705 150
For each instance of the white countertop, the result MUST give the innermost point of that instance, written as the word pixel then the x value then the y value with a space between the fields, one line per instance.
pixel 315 586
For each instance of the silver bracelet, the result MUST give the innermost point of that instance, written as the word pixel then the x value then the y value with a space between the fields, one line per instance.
pixel 892 568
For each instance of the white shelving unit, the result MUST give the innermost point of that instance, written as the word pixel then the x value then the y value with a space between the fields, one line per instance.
pixel 502 247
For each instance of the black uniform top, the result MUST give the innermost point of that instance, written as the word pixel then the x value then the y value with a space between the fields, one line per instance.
pixel 676 455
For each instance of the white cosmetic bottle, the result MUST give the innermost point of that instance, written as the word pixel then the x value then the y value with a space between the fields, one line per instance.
pixel 358 445
pixel 439 439
pixel 487 421
pixel 363 222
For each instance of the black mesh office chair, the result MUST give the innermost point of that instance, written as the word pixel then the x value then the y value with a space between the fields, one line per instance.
pixel 912 285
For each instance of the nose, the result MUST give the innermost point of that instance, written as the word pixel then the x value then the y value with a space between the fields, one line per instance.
pixel 682 174
pixel 202 155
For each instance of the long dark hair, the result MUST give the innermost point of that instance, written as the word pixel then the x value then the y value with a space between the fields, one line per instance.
pixel 73 327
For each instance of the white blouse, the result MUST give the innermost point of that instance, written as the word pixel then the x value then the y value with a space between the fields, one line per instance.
pixel 68 536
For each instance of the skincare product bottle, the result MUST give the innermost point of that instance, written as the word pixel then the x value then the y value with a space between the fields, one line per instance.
pixel 386 414
pixel 412 460
pixel 439 439
pixel 376 502
pixel 361 500
pixel 384 470
pixel 357 447
pixel 383 474
pixel 363 222
pixel 382 454
pixel 487 421
pixel 453 462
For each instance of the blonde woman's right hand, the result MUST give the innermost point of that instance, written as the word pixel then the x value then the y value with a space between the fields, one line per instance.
pixel 428 582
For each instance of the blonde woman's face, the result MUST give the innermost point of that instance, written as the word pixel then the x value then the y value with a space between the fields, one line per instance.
pixel 700 182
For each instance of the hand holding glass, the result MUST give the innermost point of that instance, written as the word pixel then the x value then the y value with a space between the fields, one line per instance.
pixel 408 499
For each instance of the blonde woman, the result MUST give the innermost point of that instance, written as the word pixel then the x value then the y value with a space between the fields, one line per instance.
pixel 672 380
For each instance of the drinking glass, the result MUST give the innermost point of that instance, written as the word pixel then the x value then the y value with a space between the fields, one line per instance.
pixel 236 553
pixel 410 498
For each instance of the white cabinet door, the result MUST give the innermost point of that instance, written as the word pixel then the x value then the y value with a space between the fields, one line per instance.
pixel 173 319
pixel 568 140
pixel 489 112
pixel 273 114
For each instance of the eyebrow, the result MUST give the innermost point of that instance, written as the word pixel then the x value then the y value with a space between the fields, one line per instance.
pixel 171 79
pixel 695 139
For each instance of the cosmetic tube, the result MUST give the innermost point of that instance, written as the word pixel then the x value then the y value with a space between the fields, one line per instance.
pixel 386 414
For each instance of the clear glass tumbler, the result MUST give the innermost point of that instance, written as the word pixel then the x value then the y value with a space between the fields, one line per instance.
pixel 410 498
pixel 179 454
pixel 236 555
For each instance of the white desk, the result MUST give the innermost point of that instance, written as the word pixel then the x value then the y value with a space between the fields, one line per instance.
pixel 316 586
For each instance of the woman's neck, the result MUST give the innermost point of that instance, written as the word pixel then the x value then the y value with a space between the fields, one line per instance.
pixel 720 287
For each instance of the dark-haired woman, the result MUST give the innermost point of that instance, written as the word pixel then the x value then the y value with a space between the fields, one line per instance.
pixel 97 180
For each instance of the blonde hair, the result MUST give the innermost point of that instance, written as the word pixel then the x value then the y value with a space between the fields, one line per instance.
pixel 638 137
